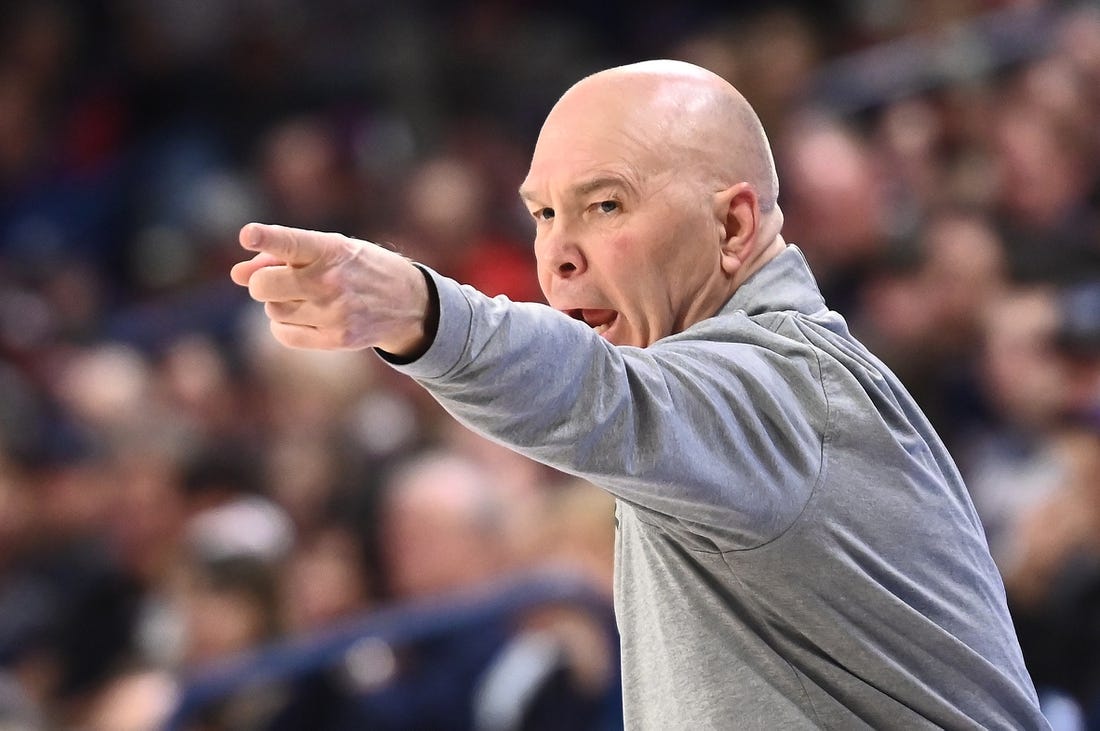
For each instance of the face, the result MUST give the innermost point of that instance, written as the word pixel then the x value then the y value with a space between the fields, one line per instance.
pixel 625 239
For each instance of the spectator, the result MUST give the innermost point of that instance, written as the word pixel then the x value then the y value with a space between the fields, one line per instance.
pixel 443 527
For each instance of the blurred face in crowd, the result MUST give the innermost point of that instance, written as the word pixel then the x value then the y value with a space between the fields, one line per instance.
pixel 835 202
pixel 1025 378
pixel 642 225
pixel 441 527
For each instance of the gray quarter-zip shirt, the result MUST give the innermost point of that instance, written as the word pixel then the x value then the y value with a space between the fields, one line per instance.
pixel 795 547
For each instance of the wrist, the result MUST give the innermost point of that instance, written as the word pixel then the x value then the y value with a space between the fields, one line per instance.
pixel 417 342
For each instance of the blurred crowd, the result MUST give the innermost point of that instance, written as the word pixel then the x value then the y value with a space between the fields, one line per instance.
pixel 176 489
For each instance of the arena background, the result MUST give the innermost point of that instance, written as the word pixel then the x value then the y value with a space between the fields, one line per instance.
pixel 202 530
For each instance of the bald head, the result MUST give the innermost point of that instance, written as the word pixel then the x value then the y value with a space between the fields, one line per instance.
pixel 686 117
pixel 653 191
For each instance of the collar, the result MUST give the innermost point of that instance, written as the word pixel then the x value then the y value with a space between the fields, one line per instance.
pixel 783 284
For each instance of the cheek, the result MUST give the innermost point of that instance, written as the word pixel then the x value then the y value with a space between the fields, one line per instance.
pixel 640 255
pixel 625 263
pixel 620 249
pixel 643 258
pixel 630 246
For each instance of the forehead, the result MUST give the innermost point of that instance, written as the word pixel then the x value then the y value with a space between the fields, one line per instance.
pixel 580 186
pixel 582 154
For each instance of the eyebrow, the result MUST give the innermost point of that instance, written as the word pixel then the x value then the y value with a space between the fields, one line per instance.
pixel 586 187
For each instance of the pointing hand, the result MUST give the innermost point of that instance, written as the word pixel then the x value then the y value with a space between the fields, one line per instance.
pixel 329 291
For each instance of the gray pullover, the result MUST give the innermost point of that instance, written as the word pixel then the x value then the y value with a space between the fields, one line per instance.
pixel 795 547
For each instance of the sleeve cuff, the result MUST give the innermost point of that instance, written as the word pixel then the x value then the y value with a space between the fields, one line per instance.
pixel 452 331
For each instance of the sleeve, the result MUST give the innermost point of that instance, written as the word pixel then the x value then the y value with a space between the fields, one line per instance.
pixel 715 434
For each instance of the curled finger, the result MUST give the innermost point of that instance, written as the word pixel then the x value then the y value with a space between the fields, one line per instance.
pixel 293 312
pixel 295 336
pixel 277 284
pixel 305 336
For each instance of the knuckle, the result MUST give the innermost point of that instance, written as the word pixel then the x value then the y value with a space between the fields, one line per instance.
pixel 293 245
pixel 348 249
pixel 330 284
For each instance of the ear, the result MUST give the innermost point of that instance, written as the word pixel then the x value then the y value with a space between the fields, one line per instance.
pixel 738 211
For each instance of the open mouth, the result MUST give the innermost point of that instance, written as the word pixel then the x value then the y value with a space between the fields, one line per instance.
pixel 599 320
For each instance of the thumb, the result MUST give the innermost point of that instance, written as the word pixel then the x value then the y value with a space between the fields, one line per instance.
pixel 242 271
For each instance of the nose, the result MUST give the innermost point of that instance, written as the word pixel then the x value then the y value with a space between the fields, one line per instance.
pixel 559 254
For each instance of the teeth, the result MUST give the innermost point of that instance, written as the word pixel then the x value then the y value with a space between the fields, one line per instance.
pixel 601 329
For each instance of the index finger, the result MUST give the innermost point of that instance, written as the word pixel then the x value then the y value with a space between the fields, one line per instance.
pixel 294 246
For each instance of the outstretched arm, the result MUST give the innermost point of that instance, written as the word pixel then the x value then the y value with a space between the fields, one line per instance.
pixel 332 292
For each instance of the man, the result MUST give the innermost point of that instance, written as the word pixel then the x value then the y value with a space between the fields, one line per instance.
pixel 795 547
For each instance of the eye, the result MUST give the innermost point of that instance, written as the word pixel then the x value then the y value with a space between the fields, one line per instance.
pixel 608 206
pixel 543 214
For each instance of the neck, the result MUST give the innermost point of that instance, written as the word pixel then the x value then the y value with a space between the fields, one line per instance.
pixel 764 255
